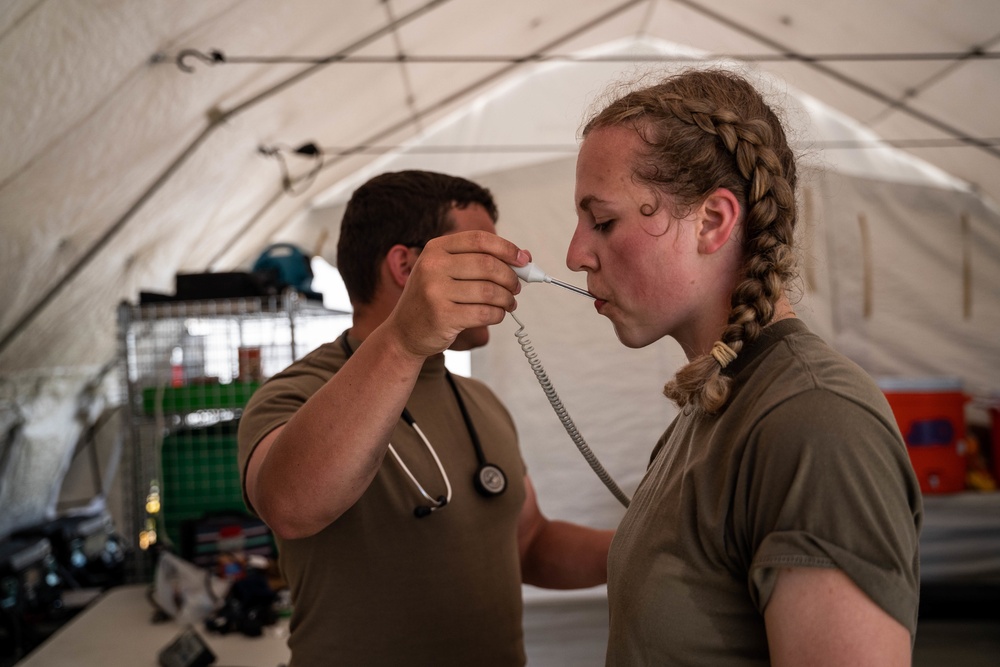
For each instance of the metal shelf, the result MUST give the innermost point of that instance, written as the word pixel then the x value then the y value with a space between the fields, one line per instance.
pixel 188 368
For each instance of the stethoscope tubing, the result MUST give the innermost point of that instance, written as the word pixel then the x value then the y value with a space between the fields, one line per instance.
pixel 489 480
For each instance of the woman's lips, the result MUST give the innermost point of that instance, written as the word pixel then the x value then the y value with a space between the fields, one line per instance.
pixel 599 303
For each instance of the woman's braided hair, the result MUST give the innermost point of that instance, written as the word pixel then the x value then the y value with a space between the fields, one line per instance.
pixel 710 129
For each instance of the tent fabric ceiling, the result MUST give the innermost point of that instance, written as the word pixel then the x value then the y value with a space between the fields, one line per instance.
pixel 120 169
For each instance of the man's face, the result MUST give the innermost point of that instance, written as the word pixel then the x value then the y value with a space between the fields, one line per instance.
pixel 472 217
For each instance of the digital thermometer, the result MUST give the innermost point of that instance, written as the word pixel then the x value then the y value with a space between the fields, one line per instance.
pixel 530 273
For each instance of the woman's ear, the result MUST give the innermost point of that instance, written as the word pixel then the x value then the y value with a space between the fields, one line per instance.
pixel 720 213
pixel 399 263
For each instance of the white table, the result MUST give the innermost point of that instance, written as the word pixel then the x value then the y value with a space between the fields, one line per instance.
pixel 961 538
pixel 117 629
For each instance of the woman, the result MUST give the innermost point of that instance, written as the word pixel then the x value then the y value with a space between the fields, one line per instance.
pixel 778 519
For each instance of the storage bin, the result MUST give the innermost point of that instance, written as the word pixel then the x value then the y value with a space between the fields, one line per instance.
pixel 930 413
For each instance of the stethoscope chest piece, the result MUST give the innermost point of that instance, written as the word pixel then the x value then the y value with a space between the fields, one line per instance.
pixel 490 480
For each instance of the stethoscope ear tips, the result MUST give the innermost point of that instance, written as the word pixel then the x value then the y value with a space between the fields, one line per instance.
pixel 420 511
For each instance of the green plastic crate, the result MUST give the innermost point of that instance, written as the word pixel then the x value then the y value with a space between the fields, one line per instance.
pixel 195 397
pixel 200 475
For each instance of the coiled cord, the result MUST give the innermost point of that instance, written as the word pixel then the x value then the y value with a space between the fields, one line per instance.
pixel 567 421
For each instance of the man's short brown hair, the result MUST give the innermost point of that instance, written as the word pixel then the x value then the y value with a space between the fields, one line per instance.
pixel 405 207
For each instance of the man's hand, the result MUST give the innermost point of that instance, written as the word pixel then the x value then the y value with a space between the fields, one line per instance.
pixel 460 281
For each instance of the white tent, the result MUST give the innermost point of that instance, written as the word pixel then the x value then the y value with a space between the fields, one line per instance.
pixel 149 138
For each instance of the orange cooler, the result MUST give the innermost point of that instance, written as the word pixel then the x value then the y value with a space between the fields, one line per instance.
pixel 930 413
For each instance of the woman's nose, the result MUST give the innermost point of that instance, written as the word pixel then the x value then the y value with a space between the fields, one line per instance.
pixel 578 257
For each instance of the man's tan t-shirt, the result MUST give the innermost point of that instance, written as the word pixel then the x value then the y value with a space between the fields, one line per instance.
pixel 382 587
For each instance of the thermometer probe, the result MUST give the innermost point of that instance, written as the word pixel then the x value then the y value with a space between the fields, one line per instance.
pixel 530 273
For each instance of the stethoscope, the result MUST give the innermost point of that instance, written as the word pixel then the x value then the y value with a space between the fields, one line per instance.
pixel 489 480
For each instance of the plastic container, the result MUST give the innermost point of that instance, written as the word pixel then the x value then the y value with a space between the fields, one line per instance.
pixel 930 413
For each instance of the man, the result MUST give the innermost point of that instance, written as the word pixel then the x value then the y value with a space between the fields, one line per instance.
pixel 415 558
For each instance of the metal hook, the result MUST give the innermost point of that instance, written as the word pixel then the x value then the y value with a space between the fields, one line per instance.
pixel 211 58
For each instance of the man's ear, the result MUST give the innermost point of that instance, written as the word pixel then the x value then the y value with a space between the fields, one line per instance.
pixel 720 213
pixel 399 262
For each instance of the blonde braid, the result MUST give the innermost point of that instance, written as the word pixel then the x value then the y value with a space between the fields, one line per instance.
pixel 769 260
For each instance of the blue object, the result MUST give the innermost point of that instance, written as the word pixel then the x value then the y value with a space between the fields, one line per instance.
pixel 926 432
pixel 286 265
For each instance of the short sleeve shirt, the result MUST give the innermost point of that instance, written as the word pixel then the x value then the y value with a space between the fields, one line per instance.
pixel 381 587
pixel 804 467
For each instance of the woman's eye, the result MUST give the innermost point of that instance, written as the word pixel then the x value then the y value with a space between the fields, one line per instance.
pixel 602 225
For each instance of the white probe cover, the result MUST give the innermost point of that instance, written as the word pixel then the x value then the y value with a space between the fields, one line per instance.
pixel 530 273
